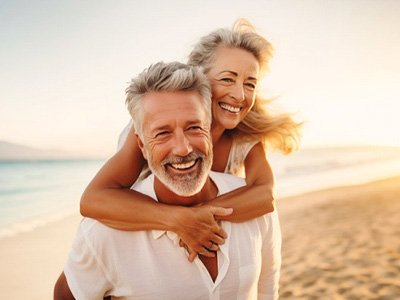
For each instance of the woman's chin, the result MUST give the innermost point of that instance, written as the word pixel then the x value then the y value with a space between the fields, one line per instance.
pixel 227 122
pixel 230 124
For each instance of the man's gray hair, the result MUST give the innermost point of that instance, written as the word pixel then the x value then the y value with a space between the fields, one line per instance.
pixel 166 77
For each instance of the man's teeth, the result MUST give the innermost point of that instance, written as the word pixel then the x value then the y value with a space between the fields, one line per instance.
pixel 230 108
pixel 184 165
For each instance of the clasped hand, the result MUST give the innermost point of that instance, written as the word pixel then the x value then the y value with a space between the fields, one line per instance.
pixel 199 230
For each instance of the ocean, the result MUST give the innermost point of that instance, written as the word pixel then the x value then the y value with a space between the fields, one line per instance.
pixel 320 168
pixel 33 193
pixel 36 192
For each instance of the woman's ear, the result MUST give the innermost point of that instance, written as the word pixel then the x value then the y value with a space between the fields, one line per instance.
pixel 141 146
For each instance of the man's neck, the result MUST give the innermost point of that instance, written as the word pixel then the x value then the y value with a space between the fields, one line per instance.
pixel 164 195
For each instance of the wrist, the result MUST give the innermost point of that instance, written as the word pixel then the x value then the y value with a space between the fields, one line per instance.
pixel 174 216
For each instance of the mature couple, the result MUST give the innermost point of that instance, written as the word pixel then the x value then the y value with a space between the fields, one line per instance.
pixel 176 129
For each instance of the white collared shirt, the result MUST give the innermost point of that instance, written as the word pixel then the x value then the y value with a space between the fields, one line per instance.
pixel 151 265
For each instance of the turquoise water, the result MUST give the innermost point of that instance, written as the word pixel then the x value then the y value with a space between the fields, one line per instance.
pixel 320 168
pixel 32 191
pixel 35 192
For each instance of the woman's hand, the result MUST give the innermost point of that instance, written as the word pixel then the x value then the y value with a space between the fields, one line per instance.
pixel 199 231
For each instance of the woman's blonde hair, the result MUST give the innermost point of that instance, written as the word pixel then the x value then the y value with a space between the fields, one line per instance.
pixel 279 131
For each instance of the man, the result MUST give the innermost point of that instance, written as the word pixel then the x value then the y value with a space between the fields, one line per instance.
pixel 170 105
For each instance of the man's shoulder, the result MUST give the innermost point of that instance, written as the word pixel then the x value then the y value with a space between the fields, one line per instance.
pixel 96 232
pixel 226 182
pixel 145 186
pixel 92 228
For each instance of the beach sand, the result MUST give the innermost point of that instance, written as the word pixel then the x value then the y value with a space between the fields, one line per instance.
pixel 32 261
pixel 341 243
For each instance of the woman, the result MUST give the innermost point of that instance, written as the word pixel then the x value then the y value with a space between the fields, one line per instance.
pixel 233 61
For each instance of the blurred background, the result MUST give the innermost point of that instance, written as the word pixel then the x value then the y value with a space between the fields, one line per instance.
pixel 64 68
pixel 65 65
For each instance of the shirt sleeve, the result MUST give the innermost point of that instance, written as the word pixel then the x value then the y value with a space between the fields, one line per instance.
pixel 268 285
pixel 86 275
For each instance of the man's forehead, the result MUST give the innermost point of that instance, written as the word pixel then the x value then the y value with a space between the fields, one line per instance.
pixel 158 102
pixel 162 108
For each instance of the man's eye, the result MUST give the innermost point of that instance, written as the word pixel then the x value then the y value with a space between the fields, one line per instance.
pixel 194 128
pixel 162 133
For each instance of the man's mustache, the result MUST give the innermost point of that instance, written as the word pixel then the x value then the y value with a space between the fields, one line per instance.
pixel 183 159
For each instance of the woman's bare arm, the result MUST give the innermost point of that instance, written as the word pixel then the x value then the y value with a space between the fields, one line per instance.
pixel 99 200
pixel 109 200
pixel 256 198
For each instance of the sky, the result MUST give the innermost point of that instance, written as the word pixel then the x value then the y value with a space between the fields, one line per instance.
pixel 64 65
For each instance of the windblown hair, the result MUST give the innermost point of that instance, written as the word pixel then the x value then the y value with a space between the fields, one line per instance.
pixel 279 131
pixel 166 77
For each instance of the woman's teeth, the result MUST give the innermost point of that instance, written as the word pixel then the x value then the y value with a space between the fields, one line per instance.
pixel 230 108
pixel 184 165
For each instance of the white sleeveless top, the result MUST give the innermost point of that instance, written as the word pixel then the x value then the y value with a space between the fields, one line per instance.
pixel 124 134
pixel 237 156
pixel 234 166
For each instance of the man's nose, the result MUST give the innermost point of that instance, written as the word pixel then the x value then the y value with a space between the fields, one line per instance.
pixel 182 146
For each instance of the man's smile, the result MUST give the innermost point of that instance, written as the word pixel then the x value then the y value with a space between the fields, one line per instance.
pixel 184 166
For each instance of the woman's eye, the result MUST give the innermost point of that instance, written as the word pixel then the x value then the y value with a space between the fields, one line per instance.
pixel 252 86
pixel 227 80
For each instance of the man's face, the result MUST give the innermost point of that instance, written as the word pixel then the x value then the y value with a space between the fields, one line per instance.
pixel 176 140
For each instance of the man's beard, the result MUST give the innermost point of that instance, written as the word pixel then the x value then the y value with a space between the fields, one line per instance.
pixel 183 184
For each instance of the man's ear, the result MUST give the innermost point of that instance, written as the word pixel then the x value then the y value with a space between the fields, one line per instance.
pixel 141 146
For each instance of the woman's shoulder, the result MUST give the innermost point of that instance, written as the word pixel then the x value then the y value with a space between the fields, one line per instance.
pixel 239 150
pixel 124 134
pixel 242 146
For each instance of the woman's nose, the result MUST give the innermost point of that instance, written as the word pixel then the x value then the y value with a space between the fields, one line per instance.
pixel 237 92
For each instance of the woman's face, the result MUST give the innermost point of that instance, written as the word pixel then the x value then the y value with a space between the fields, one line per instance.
pixel 233 76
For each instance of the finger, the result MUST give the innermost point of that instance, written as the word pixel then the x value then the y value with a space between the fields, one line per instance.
pixel 217 240
pixel 220 211
pixel 213 247
pixel 207 253
pixel 220 232
pixel 192 256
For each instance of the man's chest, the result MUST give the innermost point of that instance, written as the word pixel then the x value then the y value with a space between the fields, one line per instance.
pixel 157 269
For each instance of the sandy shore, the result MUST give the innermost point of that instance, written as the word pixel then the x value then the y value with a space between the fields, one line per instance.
pixel 342 243
pixel 32 261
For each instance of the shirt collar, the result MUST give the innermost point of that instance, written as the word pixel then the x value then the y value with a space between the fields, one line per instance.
pixel 149 190
pixel 171 235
